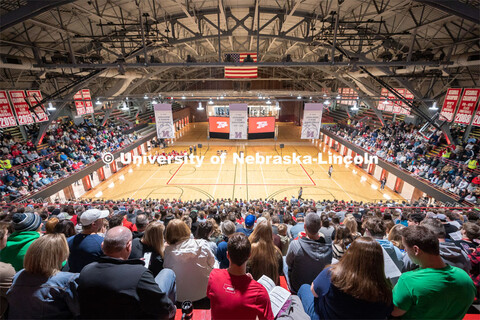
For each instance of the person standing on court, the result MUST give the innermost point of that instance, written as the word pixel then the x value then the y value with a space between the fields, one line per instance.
pixel 330 170
pixel 300 191
pixel 382 183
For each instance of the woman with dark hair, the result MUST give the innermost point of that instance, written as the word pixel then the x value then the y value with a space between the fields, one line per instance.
pixel 327 229
pixel 354 288
pixel 66 227
pixel 343 238
pixel 204 231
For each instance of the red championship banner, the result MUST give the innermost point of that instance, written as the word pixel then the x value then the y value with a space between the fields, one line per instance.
pixel 7 119
pixel 79 105
pixel 22 110
pixel 476 118
pixel 467 106
pixel 348 96
pixel 39 115
pixel 450 104
pixel 87 100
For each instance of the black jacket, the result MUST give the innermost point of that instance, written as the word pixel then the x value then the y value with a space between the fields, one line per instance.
pixel 121 289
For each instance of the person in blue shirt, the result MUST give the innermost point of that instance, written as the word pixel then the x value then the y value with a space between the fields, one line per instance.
pixel 354 288
pixel 86 247
pixel 249 223
pixel 228 228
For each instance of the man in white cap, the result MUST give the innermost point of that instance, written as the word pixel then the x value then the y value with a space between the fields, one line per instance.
pixel 86 247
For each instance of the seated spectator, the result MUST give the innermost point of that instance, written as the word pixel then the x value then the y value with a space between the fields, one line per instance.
pixel 66 227
pixel 375 228
pixel 470 237
pixel 307 256
pixel 234 294
pixel 115 287
pixel 86 247
pixel 395 236
pixel 6 271
pixel 205 229
pixel 151 242
pixel 327 229
pixel 284 239
pixel 266 258
pixel 228 228
pixel 343 238
pixel 141 222
pixel 354 288
pixel 48 292
pixel 27 228
pixel 249 224
pixel 296 229
pixel 191 260
pixel 435 290
pixel 449 252
pixel 50 225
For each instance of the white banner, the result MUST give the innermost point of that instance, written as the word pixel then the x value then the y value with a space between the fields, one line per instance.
pixel 312 120
pixel 164 121
pixel 238 121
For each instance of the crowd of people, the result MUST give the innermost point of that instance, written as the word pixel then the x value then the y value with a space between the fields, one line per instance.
pixel 24 169
pixel 144 258
pixel 453 170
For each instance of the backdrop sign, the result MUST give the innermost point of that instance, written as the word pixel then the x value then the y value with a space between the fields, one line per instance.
pixel 164 120
pixel 467 106
pixel 7 119
pixel 312 120
pixel 261 124
pixel 219 124
pixel 450 104
pixel 34 97
pixel 20 105
pixel 238 121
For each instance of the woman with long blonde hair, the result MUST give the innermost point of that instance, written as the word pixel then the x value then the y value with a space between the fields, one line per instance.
pixel 41 290
pixel 152 242
pixel 266 258
pixel 354 288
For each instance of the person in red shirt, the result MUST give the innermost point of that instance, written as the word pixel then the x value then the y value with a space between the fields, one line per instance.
pixel 233 292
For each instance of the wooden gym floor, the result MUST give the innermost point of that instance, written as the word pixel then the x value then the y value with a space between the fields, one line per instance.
pixel 242 181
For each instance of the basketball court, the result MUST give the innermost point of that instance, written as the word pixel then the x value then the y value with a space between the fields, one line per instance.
pixel 189 181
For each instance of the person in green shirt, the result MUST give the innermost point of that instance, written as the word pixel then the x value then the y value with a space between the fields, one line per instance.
pixel 435 290
pixel 27 229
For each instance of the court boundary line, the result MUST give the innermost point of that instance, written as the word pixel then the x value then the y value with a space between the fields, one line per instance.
pixel 168 182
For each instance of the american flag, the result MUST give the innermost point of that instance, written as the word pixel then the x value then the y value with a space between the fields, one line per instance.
pixel 240 72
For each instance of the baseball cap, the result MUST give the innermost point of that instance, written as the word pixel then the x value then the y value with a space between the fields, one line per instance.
pixel 92 215
pixel 250 220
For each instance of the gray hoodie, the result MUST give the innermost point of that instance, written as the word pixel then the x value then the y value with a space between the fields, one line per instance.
pixel 306 258
pixel 451 255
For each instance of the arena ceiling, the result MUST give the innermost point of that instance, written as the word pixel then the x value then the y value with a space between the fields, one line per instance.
pixel 125 47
